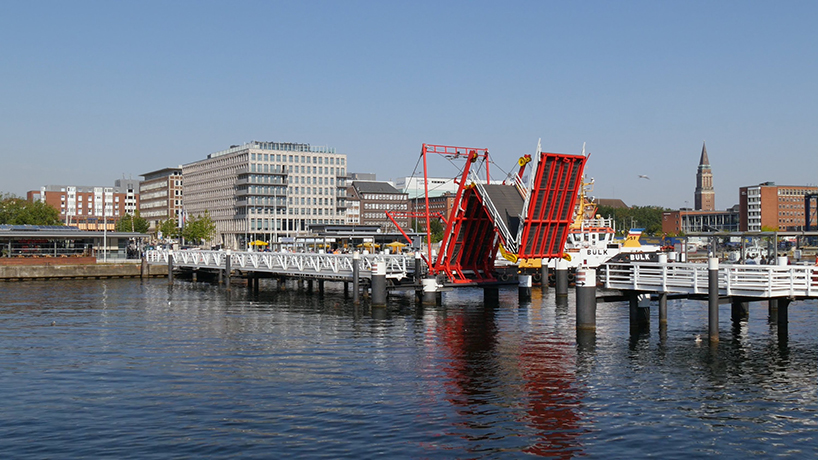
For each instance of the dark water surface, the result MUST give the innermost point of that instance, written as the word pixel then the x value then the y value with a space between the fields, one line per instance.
pixel 126 368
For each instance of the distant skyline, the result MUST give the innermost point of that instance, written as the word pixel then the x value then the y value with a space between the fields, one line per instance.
pixel 94 90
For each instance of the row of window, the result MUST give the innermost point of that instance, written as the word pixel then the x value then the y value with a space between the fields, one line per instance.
pixel 279 158
pixel 385 196
pixel 386 206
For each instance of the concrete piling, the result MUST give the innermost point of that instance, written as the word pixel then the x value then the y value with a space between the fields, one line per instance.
pixel 378 283
pixel 429 290
pixel 170 267
pixel 356 282
pixel 639 310
pixel 586 298
pixel 524 287
pixel 227 270
pixel 561 273
pixel 713 299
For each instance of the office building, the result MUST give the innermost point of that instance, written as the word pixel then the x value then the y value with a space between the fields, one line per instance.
pixel 774 207
pixel 161 196
pixel 90 207
pixel 688 221
pixel 266 190
pixel 375 199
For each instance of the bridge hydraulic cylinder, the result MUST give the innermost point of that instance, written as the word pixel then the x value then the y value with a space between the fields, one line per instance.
pixel 713 298
pixel 379 283
pixel 586 298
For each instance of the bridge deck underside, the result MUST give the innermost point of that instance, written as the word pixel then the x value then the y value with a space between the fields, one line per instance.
pixel 551 205
pixel 470 254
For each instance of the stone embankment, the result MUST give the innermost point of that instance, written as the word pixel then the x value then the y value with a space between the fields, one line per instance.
pixel 20 269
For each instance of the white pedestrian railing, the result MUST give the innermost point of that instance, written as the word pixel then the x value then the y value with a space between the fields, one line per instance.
pixel 330 266
pixel 734 280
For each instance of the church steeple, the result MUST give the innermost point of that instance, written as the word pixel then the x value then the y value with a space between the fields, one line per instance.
pixel 705 196
pixel 704 161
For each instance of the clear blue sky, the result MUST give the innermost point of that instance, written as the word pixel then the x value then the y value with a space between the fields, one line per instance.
pixel 90 91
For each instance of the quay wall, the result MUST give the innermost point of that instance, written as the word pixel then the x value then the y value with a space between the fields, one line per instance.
pixel 55 270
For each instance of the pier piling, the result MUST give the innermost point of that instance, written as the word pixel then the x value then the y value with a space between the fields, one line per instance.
pixel 170 267
pixel 379 283
pixel 356 282
pixel 524 287
pixel 713 299
pixel 586 299
pixel 561 282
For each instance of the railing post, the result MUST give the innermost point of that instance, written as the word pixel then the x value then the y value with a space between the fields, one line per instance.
pixel 713 299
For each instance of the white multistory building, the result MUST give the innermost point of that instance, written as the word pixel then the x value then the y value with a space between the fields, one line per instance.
pixel 267 190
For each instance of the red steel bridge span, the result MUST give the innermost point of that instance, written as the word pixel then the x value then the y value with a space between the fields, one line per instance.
pixel 528 214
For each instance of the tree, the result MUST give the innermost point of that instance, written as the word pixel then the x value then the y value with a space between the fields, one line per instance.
pixel 168 228
pixel 17 211
pixel 199 228
pixel 647 217
pixel 437 230
pixel 132 223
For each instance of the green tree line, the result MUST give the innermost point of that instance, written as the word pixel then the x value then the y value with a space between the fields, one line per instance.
pixel 196 230
pixel 17 211
pixel 647 217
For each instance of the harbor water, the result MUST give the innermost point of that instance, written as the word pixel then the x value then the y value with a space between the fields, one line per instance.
pixel 139 369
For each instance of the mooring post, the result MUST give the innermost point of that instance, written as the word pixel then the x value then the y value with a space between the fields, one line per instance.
pixel 321 287
pixel 418 268
pixel 429 290
pixel 227 269
pixel 379 283
pixel 713 298
pixel 544 274
pixel 356 282
pixel 491 296
pixel 663 259
pixel 739 309
pixel 143 269
pixel 170 267
pixel 562 277
pixel 782 316
pixel 586 298
pixel 524 284
pixel 663 308
pixel 639 309
pixel 772 310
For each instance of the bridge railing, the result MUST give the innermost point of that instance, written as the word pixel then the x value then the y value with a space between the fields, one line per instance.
pixel 691 278
pixel 288 263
